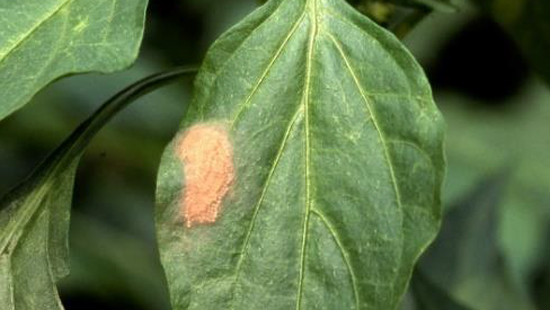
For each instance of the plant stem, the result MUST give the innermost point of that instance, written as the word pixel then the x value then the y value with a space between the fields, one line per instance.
pixel 73 146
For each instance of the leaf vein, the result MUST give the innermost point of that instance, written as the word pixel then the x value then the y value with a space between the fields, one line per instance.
pixel 413 145
pixel 402 70
pixel 345 254
pixel 373 116
pixel 267 183
pixel 35 28
pixel 218 72
pixel 268 68
pixel 312 7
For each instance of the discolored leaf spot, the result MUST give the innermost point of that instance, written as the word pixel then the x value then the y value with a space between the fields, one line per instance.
pixel 207 157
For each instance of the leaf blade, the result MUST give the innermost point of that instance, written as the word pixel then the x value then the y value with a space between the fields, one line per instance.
pixel 309 158
pixel 44 41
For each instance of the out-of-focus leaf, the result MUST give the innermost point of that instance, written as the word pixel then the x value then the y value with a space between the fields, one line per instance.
pixel 428 296
pixel 438 5
pixel 483 142
pixel 109 262
pixel 337 154
pixel 34 217
pixel 44 40
pixel 529 23
pixel 540 284
pixel 466 259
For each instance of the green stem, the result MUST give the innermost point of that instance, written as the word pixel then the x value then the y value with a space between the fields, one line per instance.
pixel 75 144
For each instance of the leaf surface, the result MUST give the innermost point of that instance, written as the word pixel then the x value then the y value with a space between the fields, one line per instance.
pixel 34 217
pixel 337 153
pixel 41 41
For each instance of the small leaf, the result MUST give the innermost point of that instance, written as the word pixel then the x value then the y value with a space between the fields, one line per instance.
pixel 466 259
pixel 41 41
pixel 34 217
pixel 308 170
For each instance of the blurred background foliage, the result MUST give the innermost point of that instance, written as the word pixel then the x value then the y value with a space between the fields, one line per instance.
pixel 493 249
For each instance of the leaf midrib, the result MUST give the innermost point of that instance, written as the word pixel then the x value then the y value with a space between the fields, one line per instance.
pixel 279 152
pixel 311 6
pixel 21 219
pixel 32 30
pixel 311 10
pixel 31 205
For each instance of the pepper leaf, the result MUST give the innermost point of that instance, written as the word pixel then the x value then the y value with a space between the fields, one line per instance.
pixel 337 156
pixel 41 41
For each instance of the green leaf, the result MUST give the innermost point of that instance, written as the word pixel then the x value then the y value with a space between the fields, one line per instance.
pixel 481 145
pixel 41 41
pixel 466 258
pixel 34 217
pixel 337 157
pixel 529 23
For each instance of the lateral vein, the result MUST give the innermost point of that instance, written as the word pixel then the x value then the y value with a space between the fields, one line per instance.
pixel 31 31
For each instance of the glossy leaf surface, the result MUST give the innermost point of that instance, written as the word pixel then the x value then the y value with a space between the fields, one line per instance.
pixel 44 40
pixel 337 148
